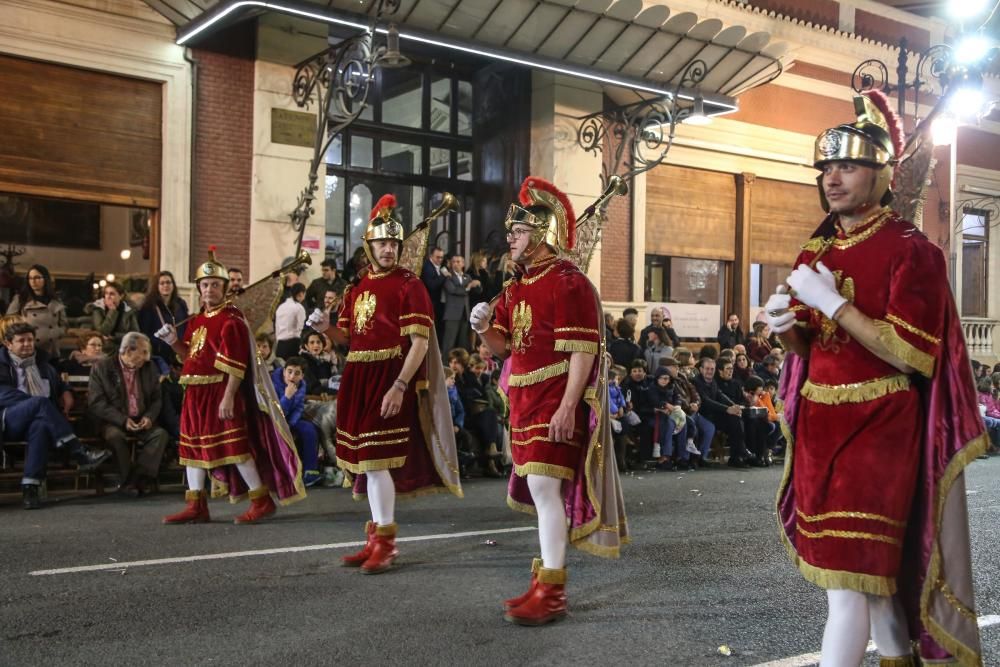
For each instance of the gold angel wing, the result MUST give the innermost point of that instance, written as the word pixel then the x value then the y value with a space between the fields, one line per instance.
pixel 912 177
pixel 258 303
pixel 415 248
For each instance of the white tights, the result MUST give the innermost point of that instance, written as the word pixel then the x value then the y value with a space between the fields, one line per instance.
pixel 853 617
pixel 546 492
pixel 196 477
pixel 382 497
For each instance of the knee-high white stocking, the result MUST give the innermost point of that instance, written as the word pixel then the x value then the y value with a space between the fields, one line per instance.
pixel 888 625
pixel 248 471
pixel 846 636
pixel 546 492
pixel 382 497
pixel 196 478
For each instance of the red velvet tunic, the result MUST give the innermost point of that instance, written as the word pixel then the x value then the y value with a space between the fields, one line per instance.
pixel 546 316
pixel 380 314
pixel 219 346
pixel 858 438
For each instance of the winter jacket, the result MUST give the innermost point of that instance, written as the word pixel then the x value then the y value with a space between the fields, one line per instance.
pixel 292 407
pixel 113 325
pixel 49 320
pixel 457 411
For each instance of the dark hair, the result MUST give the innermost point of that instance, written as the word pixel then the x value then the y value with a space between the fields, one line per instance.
pixel 769 383
pixel 661 335
pixel 297 289
pixel 752 384
pixel 309 333
pixel 298 362
pixel 701 362
pixel 770 359
pixel 17 329
pixel 732 315
pixel 27 294
pixel 116 287
pixel 630 311
pixel 461 355
pixel 639 363
pixel 233 269
pixel 723 363
pixel 759 326
pixel 624 329
pixel 328 264
pixel 984 385
pixel 264 337
pixel 708 352
pixel 153 298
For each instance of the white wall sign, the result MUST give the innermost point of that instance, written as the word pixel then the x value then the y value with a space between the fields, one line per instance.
pixel 692 320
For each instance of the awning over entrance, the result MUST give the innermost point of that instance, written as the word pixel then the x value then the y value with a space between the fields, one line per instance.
pixel 617 43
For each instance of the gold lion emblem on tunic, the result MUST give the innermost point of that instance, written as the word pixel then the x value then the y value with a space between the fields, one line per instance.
pixel 364 311
pixel 521 318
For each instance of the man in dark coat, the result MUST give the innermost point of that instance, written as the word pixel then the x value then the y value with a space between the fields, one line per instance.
pixel 31 395
pixel 124 397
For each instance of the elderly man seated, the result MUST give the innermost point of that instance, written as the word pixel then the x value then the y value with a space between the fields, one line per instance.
pixel 125 399
pixel 31 395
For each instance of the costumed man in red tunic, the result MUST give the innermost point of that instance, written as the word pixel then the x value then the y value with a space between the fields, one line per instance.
pixel 547 325
pixel 881 403
pixel 229 424
pixel 393 420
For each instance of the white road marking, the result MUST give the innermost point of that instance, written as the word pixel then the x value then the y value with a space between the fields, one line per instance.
pixel 266 552
pixel 809 659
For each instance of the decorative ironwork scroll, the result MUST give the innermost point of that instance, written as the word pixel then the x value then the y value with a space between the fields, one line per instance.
pixel 338 81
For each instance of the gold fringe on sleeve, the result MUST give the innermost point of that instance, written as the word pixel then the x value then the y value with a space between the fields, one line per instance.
pixel 417 329
pixel 911 356
pixel 576 346
pixel 231 370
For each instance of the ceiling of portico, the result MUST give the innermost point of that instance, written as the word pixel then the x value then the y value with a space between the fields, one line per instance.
pixel 630 38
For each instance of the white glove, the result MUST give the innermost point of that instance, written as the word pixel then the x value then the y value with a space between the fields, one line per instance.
pixel 319 320
pixel 817 289
pixel 480 316
pixel 167 333
pixel 779 318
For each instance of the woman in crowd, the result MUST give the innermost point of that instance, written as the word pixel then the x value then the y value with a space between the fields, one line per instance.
pixel 113 317
pixel 38 305
pixel 685 362
pixel 623 349
pixel 479 271
pixel 89 350
pixel 758 345
pixel 657 346
pixel 162 305
pixel 742 369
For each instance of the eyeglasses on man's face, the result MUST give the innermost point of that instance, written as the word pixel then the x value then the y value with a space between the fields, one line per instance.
pixel 515 233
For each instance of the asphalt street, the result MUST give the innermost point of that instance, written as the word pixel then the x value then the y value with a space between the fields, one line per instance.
pixel 705 572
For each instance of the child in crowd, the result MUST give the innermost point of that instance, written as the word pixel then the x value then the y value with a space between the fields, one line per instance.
pixel 989 408
pixel 639 399
pixel 616 408
pixel 265 349
pixel 776 440
pixel 487 356
pixel 289 383
pixel 465 456
pixel 670 421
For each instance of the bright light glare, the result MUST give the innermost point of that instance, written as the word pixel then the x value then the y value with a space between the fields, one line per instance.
pixel 944 131
pixel 126 253
pixel 964 9
pixel 967 102
pixel 110 277
pixel 972 49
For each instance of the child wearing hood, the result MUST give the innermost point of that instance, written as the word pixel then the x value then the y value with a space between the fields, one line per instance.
pixel 671 421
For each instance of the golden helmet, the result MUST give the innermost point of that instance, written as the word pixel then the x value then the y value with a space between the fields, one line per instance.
pixel 212 268
pixel 383 226
pixel 874 139
pixel 547 210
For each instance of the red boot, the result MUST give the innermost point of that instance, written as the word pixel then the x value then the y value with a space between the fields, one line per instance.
pixel 195 512
pixel 261 506
pixel 546 603
pixel 383 550
pixel 513 602
pixel 355 560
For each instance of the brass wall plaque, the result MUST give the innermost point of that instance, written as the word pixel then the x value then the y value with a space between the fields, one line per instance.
pixel 294 128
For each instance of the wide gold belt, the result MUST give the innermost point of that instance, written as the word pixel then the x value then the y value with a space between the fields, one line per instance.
pixel 375 355
pixel 201 379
